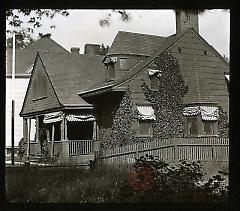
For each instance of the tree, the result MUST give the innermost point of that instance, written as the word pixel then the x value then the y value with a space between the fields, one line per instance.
pixel 125 16
pixel 24 22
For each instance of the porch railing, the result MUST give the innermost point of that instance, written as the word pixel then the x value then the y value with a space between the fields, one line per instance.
pixel 80 147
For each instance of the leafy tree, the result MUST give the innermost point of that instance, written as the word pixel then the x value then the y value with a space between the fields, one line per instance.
pixel 24 22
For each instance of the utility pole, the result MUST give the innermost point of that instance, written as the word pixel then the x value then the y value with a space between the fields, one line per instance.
pixel 13 97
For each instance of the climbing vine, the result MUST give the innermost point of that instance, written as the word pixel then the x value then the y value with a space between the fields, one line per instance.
pixel 122 132
pixel 167 101
pixel 222 124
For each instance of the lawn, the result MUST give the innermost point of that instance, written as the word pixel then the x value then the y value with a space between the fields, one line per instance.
pixel 151 181
pixel 73 184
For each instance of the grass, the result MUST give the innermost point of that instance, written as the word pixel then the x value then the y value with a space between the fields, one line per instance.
pixel 55 185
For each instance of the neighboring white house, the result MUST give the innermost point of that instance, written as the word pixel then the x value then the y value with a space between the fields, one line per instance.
pixel 24 63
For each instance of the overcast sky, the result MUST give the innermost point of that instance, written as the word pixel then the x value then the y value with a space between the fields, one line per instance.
pixel 82 26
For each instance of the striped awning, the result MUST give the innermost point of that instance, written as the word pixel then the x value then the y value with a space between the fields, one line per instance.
pixel 191 111
pixel 53 117
pixel 80 117
pixel 146 112
pixel 209 113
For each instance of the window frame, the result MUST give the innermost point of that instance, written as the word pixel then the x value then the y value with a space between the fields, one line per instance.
pixel 126 63
pixel 151 128
pixel 39 87
pixel 200 127
pixel 155 79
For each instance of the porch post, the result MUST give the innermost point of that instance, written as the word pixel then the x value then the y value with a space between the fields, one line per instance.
pixel 52 141
pixel 63 128
pixel 37 128
pixel 94 131
pixel 25 128
pixel 28 139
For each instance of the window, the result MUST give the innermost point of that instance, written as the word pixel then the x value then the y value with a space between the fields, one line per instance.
pixel 192 125
pixel 154 81
pixel 39 86
pixel 123 63
pixel 198 127
pixel 209 127
pixel 111 71
pixel 145 128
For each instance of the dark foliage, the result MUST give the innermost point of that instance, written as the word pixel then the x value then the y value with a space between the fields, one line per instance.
pixel 24 27
pixel 122 132
pixel 181 182
pixel 222 124
pixel 167 101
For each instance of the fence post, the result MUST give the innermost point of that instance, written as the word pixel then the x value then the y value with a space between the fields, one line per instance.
pixel 175 150
pixel 213 152
pixel 136 153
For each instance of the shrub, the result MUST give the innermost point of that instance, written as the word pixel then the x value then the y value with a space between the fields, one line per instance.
pixel 157 181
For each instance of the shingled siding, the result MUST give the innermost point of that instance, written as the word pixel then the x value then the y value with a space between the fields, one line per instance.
pixel 204 74
pixel 50 101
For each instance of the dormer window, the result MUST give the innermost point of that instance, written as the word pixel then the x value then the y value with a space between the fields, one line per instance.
pixel 109 63
pixel 123 63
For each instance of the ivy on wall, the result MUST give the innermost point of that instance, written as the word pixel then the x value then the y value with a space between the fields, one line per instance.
pixel 222 124
pixel 122 132
pixel 167 101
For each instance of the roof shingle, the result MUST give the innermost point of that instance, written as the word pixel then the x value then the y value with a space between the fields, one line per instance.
pixel 135 43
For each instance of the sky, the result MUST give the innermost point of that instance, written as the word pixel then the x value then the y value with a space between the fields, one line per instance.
pixel 82 27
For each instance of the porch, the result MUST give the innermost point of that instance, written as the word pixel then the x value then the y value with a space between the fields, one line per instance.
pixel 71 138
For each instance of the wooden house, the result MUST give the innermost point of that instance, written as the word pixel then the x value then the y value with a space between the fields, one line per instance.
pixel 24 64
pixel 146 88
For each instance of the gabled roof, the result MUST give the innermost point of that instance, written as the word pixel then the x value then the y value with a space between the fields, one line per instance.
pixel 25 57
pixel 70 73
pixel 106 86
pixel 135 43
pixel 164 46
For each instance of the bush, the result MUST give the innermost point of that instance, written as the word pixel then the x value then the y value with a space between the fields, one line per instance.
pixel 153 180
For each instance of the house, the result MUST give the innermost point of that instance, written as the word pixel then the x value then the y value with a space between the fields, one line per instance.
pixel 146 88
pixel 24 64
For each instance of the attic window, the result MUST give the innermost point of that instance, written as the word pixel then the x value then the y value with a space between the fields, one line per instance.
pixel 39 86
pixel 123 63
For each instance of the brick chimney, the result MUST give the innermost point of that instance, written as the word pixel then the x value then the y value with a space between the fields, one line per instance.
pixel 92 49
pixel 186 20
pixel 75 50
